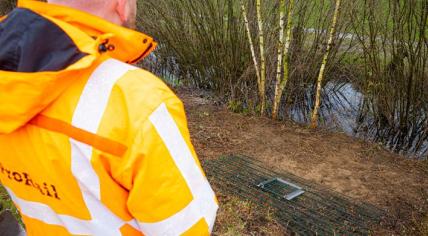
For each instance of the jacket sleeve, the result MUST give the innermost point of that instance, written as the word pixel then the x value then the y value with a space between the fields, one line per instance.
pixel 170 194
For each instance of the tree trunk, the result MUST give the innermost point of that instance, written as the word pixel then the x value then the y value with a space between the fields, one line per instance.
pixel 250 41
pixel 281 83
pixel 262 84
pixel 314 120
pixel 279 61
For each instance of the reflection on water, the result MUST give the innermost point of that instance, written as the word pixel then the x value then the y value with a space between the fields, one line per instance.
pixel 348 110
pixel 340 107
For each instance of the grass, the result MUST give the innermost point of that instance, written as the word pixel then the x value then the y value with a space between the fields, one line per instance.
pixel 6 204
pixel 241 217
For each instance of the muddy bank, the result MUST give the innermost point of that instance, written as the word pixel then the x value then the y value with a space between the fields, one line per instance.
pixel 360 170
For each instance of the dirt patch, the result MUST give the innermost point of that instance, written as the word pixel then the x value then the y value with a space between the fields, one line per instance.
pixel 363 171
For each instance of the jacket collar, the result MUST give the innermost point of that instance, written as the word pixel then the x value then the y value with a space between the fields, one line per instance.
pixel 89 32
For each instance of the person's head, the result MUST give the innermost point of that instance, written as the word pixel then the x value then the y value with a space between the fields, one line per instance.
pixel 121 12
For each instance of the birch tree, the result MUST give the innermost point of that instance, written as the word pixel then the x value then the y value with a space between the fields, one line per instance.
pixel 283 51
pixel 262 84
pixel 250 41
pixel 314 119
pixel 260 72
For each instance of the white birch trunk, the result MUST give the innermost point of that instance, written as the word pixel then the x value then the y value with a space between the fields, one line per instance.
pixel 250 41
pixel 314 119
pixel 262 85
pixel 281 83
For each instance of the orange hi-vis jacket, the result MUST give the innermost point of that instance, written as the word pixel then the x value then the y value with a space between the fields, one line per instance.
pixel 90 145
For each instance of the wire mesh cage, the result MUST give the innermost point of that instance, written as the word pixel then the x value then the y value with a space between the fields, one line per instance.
pixel 299 205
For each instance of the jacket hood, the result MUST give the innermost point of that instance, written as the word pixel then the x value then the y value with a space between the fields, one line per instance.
pixel 45 46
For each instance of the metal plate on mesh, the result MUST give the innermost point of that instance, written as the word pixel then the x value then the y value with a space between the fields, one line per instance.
pixel 281 188
pixel 319 211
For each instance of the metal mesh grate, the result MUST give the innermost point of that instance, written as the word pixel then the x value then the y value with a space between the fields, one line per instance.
pixel 315 212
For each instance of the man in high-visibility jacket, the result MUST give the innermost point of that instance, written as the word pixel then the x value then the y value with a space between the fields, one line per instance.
pixel 89 144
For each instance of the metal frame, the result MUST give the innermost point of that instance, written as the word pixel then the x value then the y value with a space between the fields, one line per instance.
pixel 299 190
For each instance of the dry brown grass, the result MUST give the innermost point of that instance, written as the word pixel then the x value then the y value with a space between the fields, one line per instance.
pixel 239 217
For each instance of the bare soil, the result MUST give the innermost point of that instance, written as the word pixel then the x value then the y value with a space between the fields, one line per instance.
pixel 360 170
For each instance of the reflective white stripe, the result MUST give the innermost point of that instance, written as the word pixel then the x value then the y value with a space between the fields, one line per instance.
pixel 45 214
pixel 183 220
pixel 203 204
pixel 87 116
pixel 94 98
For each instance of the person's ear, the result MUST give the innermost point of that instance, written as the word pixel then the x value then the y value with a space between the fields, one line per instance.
pixel 122 10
